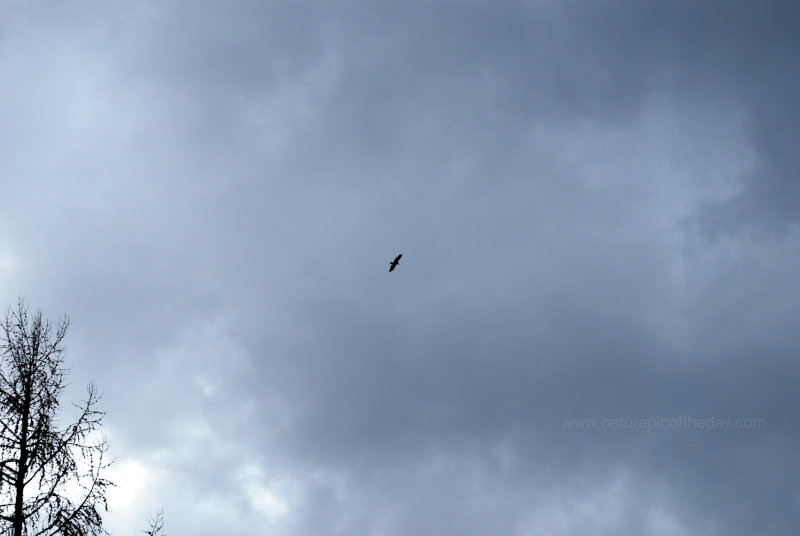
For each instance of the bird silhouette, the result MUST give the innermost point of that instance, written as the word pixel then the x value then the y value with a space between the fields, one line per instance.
pixel 395 262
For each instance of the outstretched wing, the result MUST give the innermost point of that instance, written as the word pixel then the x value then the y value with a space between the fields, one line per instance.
pixel 397 258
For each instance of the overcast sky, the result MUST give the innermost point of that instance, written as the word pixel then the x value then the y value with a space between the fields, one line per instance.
pixel 598 207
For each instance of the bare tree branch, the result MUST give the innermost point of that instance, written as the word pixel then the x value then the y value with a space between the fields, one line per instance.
pixel 156 522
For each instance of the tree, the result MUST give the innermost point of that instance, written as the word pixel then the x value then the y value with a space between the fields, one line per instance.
pixel 50 476
pixel 156 522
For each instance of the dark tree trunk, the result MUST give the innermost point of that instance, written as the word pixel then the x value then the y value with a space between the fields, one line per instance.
pixel 23 468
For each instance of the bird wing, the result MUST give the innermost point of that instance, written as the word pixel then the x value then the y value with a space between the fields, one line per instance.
pixel 398 257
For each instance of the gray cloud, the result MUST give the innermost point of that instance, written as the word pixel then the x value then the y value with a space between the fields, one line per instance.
pixel 594 206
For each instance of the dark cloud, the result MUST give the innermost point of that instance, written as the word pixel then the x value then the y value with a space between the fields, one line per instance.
pixel 594 206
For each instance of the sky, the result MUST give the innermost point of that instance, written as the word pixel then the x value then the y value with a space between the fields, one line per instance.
pixel 592 330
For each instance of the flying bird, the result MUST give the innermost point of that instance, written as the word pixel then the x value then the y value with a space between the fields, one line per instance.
pixel 395 262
